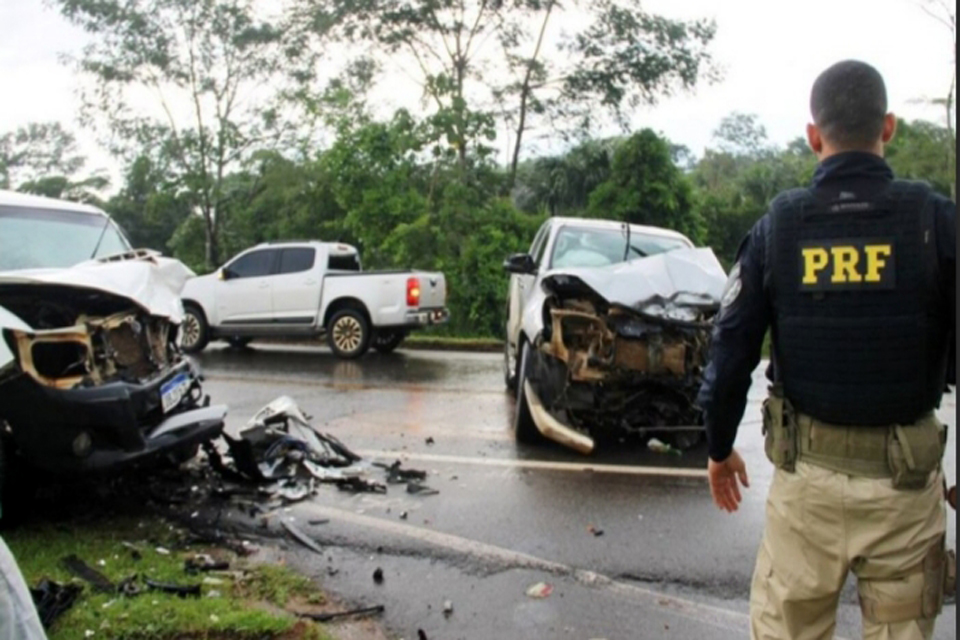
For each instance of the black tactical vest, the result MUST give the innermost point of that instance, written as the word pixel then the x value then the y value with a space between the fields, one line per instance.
pixel 860 325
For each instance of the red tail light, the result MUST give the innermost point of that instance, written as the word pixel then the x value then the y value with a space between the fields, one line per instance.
pixel 413 292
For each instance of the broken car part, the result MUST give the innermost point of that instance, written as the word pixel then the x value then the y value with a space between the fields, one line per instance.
pixel 53 600
pixel 183 591
pixel 94 578
pixel 96 379
pixel 301 537
pixel 623 348
pixel 329 617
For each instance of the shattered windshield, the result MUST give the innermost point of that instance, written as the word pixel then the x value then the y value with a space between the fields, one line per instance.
pixel 48 238
pixel 583 247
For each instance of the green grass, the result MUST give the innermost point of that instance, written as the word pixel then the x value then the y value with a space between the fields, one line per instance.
pixel 242 610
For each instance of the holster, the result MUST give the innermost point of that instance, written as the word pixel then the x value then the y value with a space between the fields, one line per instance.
pixel 780 430
pixel 915 452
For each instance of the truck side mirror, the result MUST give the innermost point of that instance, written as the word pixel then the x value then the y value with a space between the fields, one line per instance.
pixel 521 263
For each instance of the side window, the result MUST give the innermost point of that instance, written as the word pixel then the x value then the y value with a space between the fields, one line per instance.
pixel 540 243
pixel 297 260
pixel 344 262
pixel 253 265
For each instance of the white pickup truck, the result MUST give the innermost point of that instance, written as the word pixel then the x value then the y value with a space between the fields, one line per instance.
pixel 303 289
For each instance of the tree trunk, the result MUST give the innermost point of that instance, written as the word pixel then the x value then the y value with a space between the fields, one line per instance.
pixel 524 98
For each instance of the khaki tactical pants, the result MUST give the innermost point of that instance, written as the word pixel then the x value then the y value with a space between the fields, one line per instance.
pixel 821 524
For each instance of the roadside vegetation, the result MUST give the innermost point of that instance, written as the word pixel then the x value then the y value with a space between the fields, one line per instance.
pixel 235 127
pixel 248 601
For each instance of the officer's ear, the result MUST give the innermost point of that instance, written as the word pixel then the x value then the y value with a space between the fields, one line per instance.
pixel 889 128
pixel 814 139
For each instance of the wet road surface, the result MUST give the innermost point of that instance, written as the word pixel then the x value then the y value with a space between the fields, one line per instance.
pixel 667 565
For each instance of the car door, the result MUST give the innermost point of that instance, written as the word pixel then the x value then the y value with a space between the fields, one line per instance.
pixel 296 287
pixel 522 284
pixel 243 292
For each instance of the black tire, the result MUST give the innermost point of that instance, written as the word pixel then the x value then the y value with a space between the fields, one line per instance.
pixel 509 373
pixel 239 343
pixel 525 429
pixel 194 332
pixel 348 334
pixel 388 341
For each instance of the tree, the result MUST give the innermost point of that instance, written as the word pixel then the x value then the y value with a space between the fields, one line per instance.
pixel 916 153
pixel 742 134
pixel 199 64
pixel 945 13
pixel 148 207
pixel 42 158
pixel 646 187
pixel 484 61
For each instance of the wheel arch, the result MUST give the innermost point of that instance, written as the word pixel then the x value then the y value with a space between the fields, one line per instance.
pixel 347 303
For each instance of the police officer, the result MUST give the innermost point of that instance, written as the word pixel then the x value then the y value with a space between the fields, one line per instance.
pixel 855 278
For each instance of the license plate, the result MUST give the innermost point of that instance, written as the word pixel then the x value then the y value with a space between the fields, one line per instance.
pixel 173 390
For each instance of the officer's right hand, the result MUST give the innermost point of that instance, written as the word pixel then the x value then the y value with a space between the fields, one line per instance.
pixel 723 481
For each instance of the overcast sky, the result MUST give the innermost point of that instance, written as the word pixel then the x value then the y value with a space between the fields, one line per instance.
pixel 770 51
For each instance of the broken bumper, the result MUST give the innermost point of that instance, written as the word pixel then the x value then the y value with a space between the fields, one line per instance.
pixel 107 426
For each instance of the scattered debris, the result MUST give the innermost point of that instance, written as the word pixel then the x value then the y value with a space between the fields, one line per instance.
pixel 421 490
pixel 134 551
pixel 597 532
pixel 360 485
pixel 301 537
pixel 447 608
pixel 422 635
pixel 162 551
pixel 430 441
pixel 396 475
pixel 540 590
pixel 203 563
pixel 658 446
pixel 94 578
pixel 328 617
pixel 378 576
pixel 318 522
pixel 53 600
pixel 184 591
pixel 404 515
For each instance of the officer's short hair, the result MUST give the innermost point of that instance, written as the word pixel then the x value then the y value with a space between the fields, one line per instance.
pixel 848 104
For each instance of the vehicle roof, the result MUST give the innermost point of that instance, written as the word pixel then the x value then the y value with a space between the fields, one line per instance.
pixel 301 243
pixel 17 199
pixel 598 223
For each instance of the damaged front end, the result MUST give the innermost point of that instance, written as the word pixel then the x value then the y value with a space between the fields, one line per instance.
pixel 608 370
pixel 97 380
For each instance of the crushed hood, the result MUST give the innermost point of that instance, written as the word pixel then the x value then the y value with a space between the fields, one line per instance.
pixel 677 284
pixel 144 277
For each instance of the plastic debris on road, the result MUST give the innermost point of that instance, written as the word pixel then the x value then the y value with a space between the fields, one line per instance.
pixel 658 446
pixel 540 590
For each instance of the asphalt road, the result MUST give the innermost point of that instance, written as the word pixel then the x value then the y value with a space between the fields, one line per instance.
pixel 668 563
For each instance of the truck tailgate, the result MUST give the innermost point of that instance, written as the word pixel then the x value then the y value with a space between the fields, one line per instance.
pixel 433 290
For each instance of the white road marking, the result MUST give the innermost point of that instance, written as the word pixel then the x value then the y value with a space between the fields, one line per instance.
pixel 670 472
pixel 701 613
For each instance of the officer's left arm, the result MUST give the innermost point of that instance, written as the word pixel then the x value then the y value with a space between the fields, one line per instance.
pixel 736 347
pixel 946 229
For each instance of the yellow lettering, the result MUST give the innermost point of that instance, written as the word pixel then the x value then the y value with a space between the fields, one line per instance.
pixel 815 260
pixel 845 265
pixel 874 260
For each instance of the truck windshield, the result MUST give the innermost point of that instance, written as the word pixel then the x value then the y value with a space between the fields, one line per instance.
pixel 583 247
pixel 50 238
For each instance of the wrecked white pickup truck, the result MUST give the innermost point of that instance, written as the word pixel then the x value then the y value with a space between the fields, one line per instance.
pixel 607 333
pixel 91 374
